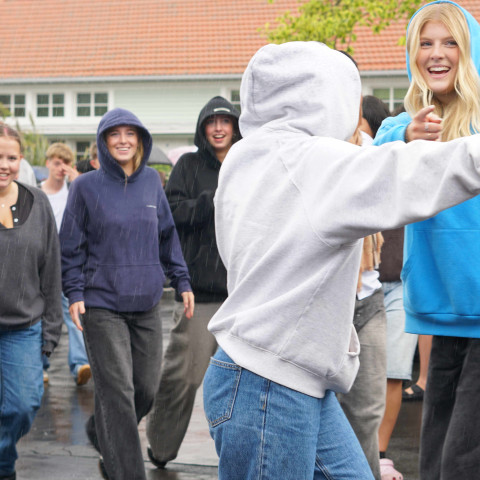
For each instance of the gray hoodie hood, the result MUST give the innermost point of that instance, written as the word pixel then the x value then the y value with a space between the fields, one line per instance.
pixel 320 96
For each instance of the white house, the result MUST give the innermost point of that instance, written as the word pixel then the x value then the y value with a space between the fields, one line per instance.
pixel 66 62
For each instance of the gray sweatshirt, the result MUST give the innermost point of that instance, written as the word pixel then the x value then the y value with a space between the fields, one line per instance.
pixel 293 202
pixel 30 276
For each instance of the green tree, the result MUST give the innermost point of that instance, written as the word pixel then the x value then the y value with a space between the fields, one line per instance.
pixel 332 21
pixel 35 144
pixel 4 111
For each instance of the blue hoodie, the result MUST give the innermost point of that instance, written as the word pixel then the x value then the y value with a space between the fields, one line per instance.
pixel 117 234
pixel 441 271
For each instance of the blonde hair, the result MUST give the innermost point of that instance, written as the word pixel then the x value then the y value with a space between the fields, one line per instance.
pixel 461 117
pixel 137 159
pixel 61 151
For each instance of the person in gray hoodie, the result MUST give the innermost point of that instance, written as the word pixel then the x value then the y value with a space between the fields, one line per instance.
pixel 30 305
pixel 293 202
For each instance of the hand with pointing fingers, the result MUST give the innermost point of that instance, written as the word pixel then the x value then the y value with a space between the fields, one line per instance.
pixel 425 125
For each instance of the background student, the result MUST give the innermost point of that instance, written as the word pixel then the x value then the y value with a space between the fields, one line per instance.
pixel 190 191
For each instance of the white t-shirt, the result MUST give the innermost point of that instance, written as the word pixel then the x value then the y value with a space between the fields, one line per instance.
pixel 26 174
pixel 58 201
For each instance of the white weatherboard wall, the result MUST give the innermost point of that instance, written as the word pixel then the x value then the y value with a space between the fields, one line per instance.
pixel 168 107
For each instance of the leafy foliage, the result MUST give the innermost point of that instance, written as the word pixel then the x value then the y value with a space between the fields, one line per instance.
pixel 332 21
pixel 35 144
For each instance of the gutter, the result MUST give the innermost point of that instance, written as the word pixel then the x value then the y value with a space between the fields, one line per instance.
pixel 121 79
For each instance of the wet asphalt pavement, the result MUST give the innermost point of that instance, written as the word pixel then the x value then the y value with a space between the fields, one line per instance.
pixel 57 447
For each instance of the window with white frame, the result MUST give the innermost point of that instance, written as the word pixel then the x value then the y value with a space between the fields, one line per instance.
pixel 92 104
pixel 393 97
pixel 235 99
pixel 14 103
pixel 82 149
pixel 50 105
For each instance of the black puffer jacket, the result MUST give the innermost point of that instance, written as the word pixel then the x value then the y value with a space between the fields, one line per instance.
pixel 190 191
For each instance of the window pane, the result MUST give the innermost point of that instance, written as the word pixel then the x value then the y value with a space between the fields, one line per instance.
pixel 42 111
pixel 99 111
pixel 83 98
pixel 399 93
pixel 82 150
pixel 5 100
pixel 19 99
pixel 58 111
pixel 42 99
pixel 382 93
pixel 83 111
pixel 101 98
pixel 57 99
pixel 19 111
pixel 235 96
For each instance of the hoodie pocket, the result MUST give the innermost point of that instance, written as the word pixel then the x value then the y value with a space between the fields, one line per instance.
pixel 130 287
pixel 343 379
pixel 220 387
pixel 441 274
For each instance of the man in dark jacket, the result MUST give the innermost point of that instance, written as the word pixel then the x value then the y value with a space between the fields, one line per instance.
pixel 190 191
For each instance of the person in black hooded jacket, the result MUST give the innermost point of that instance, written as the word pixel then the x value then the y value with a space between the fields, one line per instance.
pixel 190 191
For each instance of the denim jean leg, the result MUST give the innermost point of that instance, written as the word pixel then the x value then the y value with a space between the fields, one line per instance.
pixel 77 354
pixel 125 352
pixel 265 431
pixel 21 389
pixel 189 350
pixel 339 454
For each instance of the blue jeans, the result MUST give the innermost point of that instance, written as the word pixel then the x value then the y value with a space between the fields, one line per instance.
pixel 21 389
pixel 265 431
pixel 77 355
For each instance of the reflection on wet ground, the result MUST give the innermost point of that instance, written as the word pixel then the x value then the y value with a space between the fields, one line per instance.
pixel 57 447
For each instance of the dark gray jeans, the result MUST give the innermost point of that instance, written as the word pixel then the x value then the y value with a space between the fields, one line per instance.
pixel 125 354
pixel 450 438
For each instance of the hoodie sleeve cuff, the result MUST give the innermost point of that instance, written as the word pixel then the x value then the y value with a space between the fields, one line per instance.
pixel 48 347
pixel 74 297
pixel 184 286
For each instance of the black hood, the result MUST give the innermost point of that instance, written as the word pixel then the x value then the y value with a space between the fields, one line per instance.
pixel 116 118
pixel 215 106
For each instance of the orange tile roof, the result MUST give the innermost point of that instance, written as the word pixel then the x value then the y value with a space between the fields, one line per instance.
pixel 383 52
pixel 118 38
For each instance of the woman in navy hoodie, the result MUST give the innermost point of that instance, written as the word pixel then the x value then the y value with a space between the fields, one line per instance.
pixel 118 242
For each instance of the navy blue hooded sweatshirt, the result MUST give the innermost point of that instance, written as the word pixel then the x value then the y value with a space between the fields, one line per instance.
pixel 118 237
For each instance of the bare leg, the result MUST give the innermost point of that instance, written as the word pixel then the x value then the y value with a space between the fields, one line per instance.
pixel 424 348
pixel 392 409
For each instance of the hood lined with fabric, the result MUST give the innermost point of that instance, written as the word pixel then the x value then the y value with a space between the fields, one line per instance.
pixel 116 118
pixel 473 27
pixel 216 106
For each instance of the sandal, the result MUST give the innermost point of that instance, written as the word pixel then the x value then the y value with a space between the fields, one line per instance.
pixel 416 396
pixel 387 471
